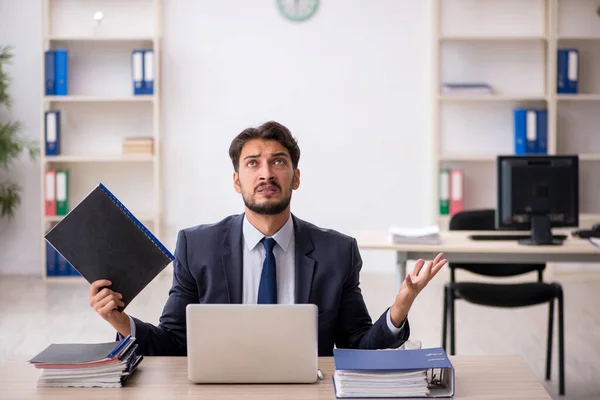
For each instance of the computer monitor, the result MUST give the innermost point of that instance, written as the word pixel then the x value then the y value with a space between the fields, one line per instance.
pixel 537 192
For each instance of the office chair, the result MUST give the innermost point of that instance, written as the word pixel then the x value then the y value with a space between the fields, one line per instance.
pixel 501 295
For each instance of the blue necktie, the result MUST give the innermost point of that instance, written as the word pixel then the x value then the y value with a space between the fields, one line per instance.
pixel 267 290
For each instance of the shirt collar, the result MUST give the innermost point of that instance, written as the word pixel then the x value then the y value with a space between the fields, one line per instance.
pixel 253 236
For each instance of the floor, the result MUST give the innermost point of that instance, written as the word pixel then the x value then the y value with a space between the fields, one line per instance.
pixel 34 314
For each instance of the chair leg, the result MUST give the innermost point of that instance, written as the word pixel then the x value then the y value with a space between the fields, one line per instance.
pixel 451 312
pixel 549 343
pixel 561 342
pixel 445 318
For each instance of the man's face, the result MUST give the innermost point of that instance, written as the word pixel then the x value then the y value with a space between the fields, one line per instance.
pixel 266 177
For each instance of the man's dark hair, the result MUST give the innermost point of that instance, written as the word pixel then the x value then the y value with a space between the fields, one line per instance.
pixel 268 131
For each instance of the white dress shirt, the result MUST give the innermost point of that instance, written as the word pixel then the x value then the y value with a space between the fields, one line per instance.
pixel 253 258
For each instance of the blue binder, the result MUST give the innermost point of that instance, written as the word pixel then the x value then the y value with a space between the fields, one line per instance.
pixel 49 63
pixel 137 71
pixel 520 126
pixel 51 261
pixel 61 70
pixel 372 363
pixel 567 73
pixel 148 83
pixel 52 132
pixel 542 131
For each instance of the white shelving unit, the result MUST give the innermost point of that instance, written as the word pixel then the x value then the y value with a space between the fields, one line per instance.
pixel 100 109
pixel 512 45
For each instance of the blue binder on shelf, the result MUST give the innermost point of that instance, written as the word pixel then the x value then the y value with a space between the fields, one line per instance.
pixel 61 71
pixel 49 75
pixel 393 373
pixel 567 73
pixel 137 71
pixel 52 132
pixel 148 81
pixel 51 261
pixel 542 131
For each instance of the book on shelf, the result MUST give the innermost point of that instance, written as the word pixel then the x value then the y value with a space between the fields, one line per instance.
pixel 392 373
pixel 139 145
pixel 87 364
pixel 466 88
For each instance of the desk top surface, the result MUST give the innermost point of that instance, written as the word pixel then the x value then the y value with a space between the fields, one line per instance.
pixel 459 242
pixel 477 377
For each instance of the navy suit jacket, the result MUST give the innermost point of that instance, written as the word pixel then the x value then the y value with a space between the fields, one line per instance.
pixel 208 269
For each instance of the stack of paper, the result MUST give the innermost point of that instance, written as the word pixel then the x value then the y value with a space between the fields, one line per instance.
pixel 140 145
pixel 87 365
pixel 392 373
pixel 466 88
pixel 428 235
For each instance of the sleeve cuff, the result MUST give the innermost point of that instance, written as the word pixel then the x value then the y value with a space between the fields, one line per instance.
pixel 391 326
pixel 131 327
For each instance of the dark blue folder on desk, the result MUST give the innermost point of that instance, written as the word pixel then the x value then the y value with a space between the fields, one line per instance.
pixel 379 373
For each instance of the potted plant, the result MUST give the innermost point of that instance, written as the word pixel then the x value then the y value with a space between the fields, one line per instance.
pixel 12 143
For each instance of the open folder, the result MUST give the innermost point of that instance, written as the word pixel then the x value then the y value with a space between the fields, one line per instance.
pixel 392 373
pixel 102 239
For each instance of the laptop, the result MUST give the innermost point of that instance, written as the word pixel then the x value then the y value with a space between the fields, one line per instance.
pixel 252 343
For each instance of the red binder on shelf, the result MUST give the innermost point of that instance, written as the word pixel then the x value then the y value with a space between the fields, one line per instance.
pixel 50 192
pixel 456 190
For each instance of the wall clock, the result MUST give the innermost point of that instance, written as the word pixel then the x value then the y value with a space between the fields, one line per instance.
pixel 297 10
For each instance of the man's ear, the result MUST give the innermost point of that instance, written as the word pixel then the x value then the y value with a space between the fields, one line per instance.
pixel 236 182
pixel 296 179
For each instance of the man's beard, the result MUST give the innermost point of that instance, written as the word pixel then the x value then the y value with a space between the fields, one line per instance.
pixel 269 208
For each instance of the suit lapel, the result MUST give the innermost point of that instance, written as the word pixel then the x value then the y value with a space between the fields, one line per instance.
pixel 233 259
pixel 304 265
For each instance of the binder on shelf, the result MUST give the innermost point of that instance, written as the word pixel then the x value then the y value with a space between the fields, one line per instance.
pixel 520 127
pixel 444 191
pixel 542 131
pixel 456 190
pixel 50 193
pixel 52 132
pixel 148 84
pixel 62 192
pixel 531 132
pixel 51 261
pixel 49 75
pixel 102 239
pixel 137 71
pixel 567 73
pixel 61 71
pixel 392 373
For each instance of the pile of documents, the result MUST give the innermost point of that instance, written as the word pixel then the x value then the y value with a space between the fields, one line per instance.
pixel 392 373
pixel 138 146
pixel 426 235
pixel 87 365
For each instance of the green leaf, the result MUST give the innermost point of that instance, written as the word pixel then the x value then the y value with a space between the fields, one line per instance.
pixel 10 198
pixel 5 58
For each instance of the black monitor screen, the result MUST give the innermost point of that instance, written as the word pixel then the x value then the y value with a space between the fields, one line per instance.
pixel 537 186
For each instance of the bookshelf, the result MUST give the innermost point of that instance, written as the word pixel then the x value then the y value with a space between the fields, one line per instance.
pixel 100 109
pixel 512 45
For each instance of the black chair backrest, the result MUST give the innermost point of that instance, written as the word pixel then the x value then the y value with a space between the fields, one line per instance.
pixel 484 220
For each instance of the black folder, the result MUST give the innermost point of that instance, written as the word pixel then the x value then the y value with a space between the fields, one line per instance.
pixel 102 239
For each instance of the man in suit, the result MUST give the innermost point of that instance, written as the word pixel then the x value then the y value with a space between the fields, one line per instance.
pixel 268 255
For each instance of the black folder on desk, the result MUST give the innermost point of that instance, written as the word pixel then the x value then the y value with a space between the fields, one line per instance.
pixel 102 239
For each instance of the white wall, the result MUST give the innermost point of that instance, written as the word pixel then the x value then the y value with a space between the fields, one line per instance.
pixel 352 84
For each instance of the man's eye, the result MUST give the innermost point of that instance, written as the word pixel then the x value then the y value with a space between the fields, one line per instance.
pixel 251 163
pixel 278 161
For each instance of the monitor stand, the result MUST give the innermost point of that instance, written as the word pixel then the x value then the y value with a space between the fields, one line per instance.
pixel 541 233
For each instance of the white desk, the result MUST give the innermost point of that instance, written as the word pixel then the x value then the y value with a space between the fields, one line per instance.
pixel 457 247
